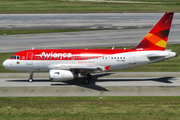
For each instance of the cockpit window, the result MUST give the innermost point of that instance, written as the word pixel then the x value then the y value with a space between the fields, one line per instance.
pixel 15 57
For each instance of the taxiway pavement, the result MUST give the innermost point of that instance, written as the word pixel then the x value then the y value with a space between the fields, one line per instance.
pixel 130 29
pixel 111 84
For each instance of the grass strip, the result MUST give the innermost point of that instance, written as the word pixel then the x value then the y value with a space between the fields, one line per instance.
pixel 14 32
pixel 65 6
pixel 170 65
pixel 99 108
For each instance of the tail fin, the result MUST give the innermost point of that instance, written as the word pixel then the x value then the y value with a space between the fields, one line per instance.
pixel 157 38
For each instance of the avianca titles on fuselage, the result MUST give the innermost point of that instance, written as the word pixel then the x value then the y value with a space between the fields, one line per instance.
pixel 66 64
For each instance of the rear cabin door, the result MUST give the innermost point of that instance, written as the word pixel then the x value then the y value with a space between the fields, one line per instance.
pixel 132 58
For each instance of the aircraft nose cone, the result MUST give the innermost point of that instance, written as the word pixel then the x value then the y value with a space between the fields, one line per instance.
pixel 5 64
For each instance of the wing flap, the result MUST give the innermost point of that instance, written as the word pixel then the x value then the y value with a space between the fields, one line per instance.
pixel 88 67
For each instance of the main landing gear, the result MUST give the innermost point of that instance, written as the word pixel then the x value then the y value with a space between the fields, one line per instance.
pixel 87 79
pixel 31 76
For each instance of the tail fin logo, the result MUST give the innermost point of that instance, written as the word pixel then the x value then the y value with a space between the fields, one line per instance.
pixel 157 38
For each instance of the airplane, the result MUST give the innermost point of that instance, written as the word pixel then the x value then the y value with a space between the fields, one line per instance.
pixel 67 64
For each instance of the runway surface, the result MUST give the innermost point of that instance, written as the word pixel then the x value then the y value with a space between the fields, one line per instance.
pixel 88 39
pixel 80 20
pixel 130 30
pixel 111 84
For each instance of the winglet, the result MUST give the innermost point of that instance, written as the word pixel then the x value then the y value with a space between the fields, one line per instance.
pixel 157 38
pixel 107 67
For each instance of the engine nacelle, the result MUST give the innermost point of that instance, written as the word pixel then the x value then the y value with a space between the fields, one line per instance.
pixel 62 75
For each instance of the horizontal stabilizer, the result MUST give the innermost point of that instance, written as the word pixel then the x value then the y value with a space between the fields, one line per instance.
pixel 155 55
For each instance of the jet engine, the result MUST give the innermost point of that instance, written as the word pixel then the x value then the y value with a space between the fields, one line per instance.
pixel 62 75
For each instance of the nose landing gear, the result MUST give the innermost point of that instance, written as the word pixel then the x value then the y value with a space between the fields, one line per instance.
pixel 31 77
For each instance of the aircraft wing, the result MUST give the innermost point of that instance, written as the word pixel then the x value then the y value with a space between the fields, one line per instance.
pixel 78 67
pixel 88 67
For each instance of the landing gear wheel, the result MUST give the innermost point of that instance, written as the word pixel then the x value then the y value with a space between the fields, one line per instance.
pixel 31 76
pixel 86 81
pixel 30 79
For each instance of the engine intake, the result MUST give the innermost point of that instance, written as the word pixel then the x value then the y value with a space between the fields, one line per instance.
pixel 62 75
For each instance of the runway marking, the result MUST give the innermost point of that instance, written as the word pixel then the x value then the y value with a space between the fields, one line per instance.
pixel 93 27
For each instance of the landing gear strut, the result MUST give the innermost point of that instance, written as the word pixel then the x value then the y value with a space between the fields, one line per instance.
pixel 31 76
pixel 87 79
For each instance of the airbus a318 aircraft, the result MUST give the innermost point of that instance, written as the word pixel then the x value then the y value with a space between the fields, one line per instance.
pixel 67 64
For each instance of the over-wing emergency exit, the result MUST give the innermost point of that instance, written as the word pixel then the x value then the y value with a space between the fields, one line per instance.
pixel 67 64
